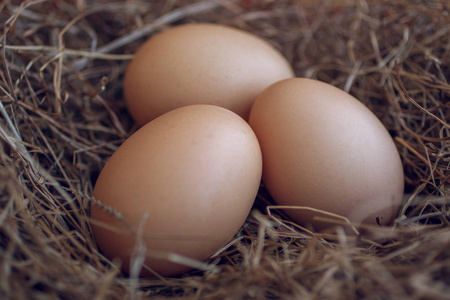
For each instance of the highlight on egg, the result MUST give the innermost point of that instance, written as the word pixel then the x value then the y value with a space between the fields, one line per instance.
pixel 323 150
pixel 183 184
pixel 200 63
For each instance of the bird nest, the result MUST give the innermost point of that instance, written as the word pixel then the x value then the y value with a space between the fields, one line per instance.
pixel 63 115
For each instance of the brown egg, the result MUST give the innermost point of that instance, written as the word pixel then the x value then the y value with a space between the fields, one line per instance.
pixel 194 171
pixel 325 150
pixel 200 64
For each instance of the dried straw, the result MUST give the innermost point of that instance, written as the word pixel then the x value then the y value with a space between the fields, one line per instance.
pixel 62 65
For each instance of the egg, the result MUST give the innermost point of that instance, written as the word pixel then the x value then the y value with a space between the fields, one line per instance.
pixel 327 158
pixel 186 181
pixel 200 64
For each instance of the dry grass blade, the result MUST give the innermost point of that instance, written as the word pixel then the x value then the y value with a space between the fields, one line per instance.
pixel 62 116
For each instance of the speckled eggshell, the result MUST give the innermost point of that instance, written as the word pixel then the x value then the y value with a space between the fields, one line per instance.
pixel 194 171
pixel 200 64
pixel 325 150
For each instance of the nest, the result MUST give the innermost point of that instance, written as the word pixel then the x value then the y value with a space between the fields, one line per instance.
pixel 62 65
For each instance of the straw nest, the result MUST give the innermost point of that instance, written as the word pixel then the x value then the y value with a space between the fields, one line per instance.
pixel 62 64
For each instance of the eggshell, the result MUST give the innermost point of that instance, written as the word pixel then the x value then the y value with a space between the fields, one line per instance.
pixel 325 150
pixel 195 172
pixel 200 64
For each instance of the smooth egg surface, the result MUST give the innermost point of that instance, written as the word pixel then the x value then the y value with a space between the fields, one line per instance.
pixel 323 149
pixel 200 63
pixel 186 181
